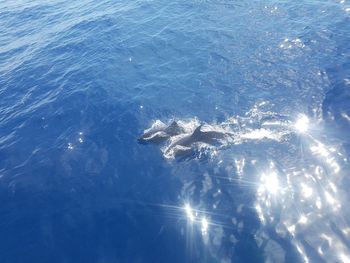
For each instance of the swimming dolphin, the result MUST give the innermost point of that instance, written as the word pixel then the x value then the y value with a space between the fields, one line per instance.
pixel 183 138
pixel 202 134
pixel 160 132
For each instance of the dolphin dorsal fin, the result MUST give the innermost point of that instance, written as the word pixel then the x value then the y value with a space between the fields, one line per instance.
pixel 173 125
pixel 173 128
pixel 197 130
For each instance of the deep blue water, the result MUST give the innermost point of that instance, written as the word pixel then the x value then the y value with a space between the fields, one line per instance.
pixel 81 80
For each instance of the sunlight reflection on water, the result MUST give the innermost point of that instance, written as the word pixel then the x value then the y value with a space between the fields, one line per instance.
pixel 310 209
pixel 297 192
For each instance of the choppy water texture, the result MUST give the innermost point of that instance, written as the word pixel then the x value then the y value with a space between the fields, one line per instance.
pixel 81 80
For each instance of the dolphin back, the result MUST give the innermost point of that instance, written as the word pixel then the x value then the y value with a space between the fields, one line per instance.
pixel 174 129
pixel 159 132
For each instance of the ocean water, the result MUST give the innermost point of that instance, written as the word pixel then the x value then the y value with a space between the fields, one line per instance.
pixel 80 81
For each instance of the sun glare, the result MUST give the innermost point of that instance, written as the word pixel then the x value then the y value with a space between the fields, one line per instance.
pixel 189 212
pixel 302 123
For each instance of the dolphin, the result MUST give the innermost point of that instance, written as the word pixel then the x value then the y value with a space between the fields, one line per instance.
pixel 202 134
pixel 189 138
pixel 160 132
pixel 182 141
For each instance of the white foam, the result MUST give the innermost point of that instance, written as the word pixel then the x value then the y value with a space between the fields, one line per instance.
pixel 255 125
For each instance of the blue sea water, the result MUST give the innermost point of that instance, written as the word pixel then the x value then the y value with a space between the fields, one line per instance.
pixel 81 80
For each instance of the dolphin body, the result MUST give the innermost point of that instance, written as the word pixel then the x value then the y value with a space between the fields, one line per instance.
pixel 204 134
pixel 192 137
pixel 208 136
pixel 182 142
pixel 160 132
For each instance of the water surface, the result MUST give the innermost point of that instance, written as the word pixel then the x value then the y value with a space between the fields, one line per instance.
pixel 81 80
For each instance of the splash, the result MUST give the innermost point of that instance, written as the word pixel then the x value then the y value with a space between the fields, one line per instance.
pixel 195 138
